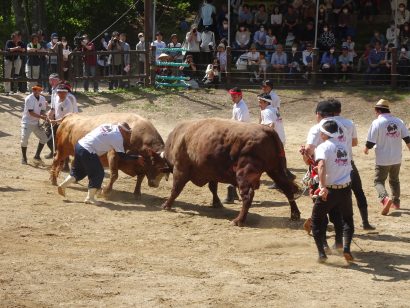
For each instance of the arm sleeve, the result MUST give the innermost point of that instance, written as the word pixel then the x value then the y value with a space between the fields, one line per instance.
pixel 373 133
pixel 313 137
pixel 320 153
pixel 118 145
pixel 30 104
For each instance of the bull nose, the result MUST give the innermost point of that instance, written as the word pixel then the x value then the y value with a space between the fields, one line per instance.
pixel 153 184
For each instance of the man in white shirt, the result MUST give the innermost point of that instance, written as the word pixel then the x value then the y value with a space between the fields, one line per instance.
pixel 335 193
pixel 270 116
pixel 386 133
pixel 208 11
pixel 35 106
pixel 88 149
pixel 159 44
pixel 267 88
pixel 240 113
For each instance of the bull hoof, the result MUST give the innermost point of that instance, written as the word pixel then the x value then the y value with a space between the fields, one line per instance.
pixel 61 191
pixel 237 222
pixel 53 181
pixel 295 216
pixel 137 196
pixel 166 207
pixel 217 205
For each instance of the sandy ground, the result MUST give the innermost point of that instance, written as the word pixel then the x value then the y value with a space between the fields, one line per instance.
pixel 61 252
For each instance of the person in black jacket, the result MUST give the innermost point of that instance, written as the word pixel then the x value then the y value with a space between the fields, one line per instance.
pixel 13 61
pixel 294 63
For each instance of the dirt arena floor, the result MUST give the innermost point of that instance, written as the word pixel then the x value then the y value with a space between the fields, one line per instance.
pixel 62 252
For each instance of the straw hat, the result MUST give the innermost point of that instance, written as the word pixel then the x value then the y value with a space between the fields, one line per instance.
pixel 383 103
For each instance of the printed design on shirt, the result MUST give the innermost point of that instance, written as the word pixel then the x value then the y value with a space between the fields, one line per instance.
pixel 341 137
pixel 341 156
pixel 106 129
pixel 392 130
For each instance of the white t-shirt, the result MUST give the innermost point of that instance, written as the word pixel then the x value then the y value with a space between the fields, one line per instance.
pixel 313 137
pixel 337 161
pixel 351 132
pixel 206 14
pixel 275 99
pixel 102 139
pixel 271 115
pixel 158 45
pixel 240 112
pixel 387 132
pixel 62 108
pixel 32 103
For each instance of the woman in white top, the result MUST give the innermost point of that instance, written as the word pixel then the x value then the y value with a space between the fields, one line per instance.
pixel 253 57
pixel 276 20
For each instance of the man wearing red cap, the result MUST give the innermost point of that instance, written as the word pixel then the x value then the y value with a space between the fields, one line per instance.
pixel 35 106
pixel 386 133
pixel 240 112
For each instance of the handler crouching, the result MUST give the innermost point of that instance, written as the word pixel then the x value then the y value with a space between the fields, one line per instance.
pixel 87 151
pixel 334 182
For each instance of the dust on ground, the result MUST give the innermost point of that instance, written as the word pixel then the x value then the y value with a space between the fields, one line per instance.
pixel 62 252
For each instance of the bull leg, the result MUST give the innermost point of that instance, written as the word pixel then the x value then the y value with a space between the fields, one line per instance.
pixel 216 202
pixel 247 194
pixel 179 182
pixel 137 190
pixel 112 158
pixel 289 188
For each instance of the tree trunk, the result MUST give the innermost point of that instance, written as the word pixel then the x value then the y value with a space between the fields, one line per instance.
pixel 5 11
pixel 20 17
pixel 38 17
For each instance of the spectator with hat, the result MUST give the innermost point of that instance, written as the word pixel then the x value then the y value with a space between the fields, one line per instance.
pixel 345 64
pixel 386 133
pixel 52 58
pixel 240 112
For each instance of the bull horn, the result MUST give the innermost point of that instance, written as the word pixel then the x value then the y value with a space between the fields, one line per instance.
pixel 162 154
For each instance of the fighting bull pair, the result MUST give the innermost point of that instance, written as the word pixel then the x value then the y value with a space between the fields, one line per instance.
pixel 203 151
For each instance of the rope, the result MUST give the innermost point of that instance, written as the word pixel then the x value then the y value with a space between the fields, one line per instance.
pixel 176 64
pixel 171 85
pixel 52 137
pixel 172 49
pixel 125 13
pixel 158 77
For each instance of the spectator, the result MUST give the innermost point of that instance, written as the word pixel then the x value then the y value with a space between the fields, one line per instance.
pixel 183 24
pixel 263 65
pixel 223 30
pixel 261 16
pixel 290 21
pixel 242 39
pixel 308 10
pixel 115 60
pixel 43 63
pixel 102 59
pixel 212 74
pixel 346 64
pixel 33 62
pixel 158 43
pixel 367 10
pixel 322 18
pixel 245 16
pixel 350 46
pixel 386 68
pixel 294 62
pixel 176 56
pixel 193 39
pixel 345 22
pixel 52 48
pixel 376 61
pixel 66 53
pixel 190 71
pixel 222 58
pixel 270 44
pixel 405 36
pixel 307 59
pixel 222 17
pixel 276 21
pixel 279 60
pixel 307 34
pixel 141 57
pixel 326 38
pixel 328 65
pixel 377 36
pixel 403 15
pixel 89 62
pixel 253 63
pixel 13 62
pixel 208 15
pixel 363 63
pixel 392 34
pixel 403 67
pixel 207 46
pixel 259 38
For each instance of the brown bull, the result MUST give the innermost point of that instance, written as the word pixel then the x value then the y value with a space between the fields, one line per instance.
pixel 237 153
pixel 145 140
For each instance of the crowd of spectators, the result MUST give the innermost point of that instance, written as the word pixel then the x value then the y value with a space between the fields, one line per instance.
pixel 275 39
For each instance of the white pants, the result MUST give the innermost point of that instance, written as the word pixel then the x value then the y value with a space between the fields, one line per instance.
pixel 8 67
pixel 27 129
pixel 32 72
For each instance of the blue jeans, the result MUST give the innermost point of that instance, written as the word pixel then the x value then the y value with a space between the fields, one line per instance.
pixel 90 71
pixel 87 164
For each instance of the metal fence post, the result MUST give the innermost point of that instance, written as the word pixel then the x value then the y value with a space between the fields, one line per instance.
pixel 228 65
pixel 393 72
pixel 315 66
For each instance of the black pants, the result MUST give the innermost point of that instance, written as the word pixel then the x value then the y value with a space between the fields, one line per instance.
pixel 339 206
pixel 359 193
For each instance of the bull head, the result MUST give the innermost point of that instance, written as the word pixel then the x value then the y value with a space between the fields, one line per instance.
pixel 156 167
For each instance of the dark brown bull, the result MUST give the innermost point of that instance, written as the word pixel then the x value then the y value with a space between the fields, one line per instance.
pixel 145 140
pixel 217 150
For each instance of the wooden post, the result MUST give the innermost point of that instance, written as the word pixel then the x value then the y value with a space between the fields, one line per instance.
pixel 148 38
pixel 60 62
pixel 393 72
pixel 228 65
pixel 153 65
pixel 315 66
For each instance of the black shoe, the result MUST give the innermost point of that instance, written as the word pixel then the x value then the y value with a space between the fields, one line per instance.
pixel 322 258
pixel 24 161
pixel 49 156
pixel 367 226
